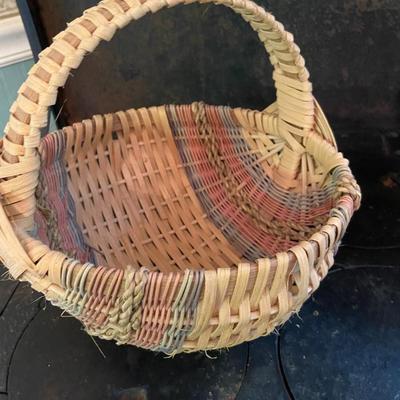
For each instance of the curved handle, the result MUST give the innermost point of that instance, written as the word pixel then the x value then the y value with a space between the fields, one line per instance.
pixel 29 112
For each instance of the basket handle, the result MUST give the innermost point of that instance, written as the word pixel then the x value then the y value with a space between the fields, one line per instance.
pixel 29 112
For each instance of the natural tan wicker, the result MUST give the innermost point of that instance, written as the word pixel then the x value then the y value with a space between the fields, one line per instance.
pixel 208 226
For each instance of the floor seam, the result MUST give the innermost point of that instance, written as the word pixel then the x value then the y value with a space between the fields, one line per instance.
pixel 17 343
pixel 246 368
pixel 281 368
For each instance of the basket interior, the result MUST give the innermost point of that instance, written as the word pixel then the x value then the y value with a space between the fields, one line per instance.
pixel 157 187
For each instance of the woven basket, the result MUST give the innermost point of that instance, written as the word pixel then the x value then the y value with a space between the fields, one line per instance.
pixel 173 228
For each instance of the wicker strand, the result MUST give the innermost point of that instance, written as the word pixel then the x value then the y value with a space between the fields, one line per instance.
pixel 232 185
pixel 49 215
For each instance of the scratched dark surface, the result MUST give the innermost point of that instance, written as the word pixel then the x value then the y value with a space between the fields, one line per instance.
pixel 344 344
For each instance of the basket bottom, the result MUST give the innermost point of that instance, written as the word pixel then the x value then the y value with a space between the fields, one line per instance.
pixel 175 187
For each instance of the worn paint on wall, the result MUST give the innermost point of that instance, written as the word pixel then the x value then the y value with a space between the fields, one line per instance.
pixel 205 52
pixel 11 77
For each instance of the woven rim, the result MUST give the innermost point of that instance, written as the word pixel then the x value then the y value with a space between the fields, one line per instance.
pixel 266 283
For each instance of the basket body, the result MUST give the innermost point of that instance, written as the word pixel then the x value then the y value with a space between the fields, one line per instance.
pixel 173 228
pixel 141 189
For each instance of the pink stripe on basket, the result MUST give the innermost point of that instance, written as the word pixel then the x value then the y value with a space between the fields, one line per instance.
pixel 272 201
pixel 53 177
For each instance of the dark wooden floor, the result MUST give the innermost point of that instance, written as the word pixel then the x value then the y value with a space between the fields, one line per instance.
pixel 345 343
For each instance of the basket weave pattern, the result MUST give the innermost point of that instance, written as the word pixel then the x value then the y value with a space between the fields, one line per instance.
pixel 173 228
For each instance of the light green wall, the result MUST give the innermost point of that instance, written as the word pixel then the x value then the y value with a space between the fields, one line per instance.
pixel 11 77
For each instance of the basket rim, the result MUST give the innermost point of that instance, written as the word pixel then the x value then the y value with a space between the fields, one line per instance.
pixel 335 226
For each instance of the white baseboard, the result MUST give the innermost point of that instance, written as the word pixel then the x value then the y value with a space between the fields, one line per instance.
pixel 14 45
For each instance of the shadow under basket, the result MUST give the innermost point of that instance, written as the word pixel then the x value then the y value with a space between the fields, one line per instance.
pixel 173 228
